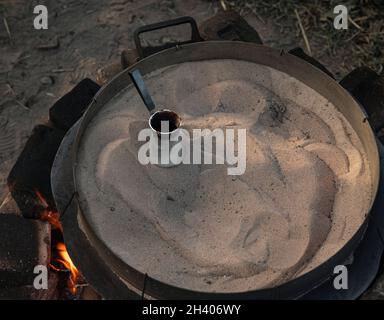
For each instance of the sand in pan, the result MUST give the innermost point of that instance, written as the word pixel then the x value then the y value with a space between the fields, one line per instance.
pixel 305 191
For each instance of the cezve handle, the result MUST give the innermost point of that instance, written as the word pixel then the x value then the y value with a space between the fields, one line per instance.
pixel 140 86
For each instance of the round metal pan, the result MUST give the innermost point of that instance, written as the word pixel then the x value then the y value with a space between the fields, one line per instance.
pixel 111 276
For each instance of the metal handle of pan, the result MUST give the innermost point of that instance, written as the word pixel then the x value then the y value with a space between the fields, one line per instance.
pixel 146 51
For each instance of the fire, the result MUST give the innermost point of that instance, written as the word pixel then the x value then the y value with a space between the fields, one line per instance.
pixel 66 261
pixel 48 215
pixel 63 257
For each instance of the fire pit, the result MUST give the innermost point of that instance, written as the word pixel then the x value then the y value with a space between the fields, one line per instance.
pixel 306 202
pixel 105 235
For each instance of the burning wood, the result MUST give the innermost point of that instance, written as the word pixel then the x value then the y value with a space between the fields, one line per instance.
pixel 60 254
pixel 48 215
pixel 66 261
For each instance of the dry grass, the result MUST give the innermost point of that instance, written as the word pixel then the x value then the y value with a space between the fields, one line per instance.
pixel 361 44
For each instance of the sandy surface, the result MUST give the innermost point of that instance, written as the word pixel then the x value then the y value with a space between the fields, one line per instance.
pixel 305 191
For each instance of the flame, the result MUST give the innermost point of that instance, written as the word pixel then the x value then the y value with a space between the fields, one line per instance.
pixel 64 259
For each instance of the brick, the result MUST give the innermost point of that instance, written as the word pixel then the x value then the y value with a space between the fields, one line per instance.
pixel 368 88
pixel 24 244
pixel 32 171
pixel 355 78
pixel 28 292
pixel 68 109
pixel 228 25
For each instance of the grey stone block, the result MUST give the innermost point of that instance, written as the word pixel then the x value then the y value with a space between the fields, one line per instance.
pixel 24 244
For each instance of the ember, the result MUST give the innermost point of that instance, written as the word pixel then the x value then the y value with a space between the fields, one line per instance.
pixel 48 215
